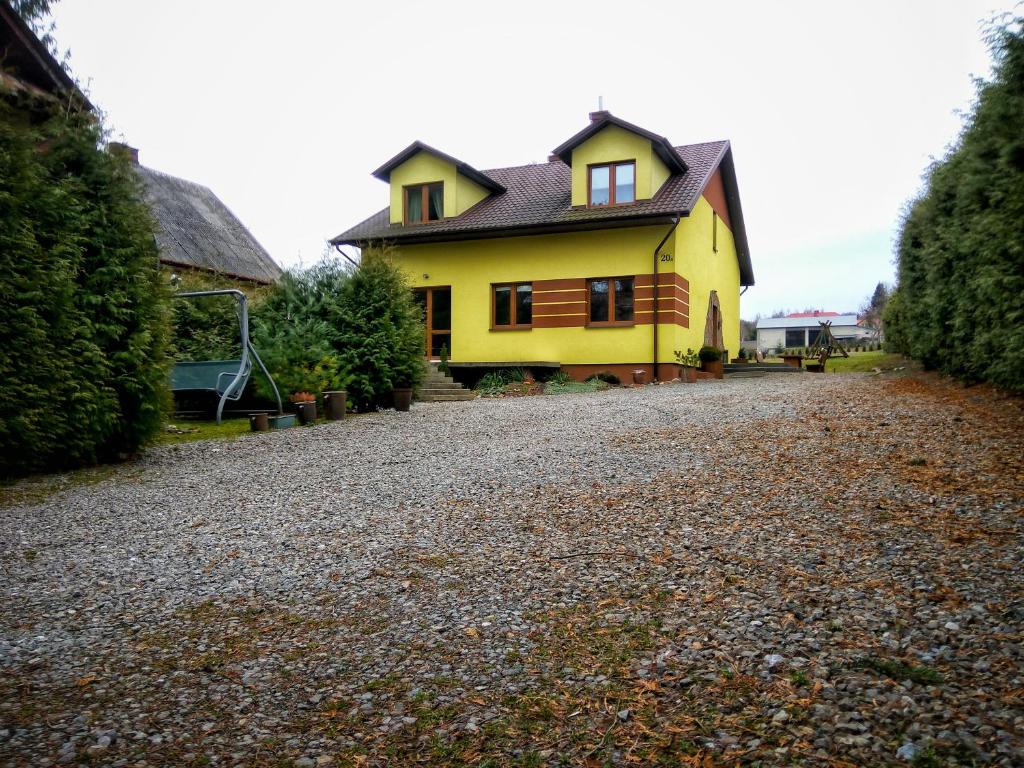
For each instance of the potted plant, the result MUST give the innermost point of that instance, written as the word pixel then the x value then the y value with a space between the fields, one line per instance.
pixel 689 363
pixel 711 361
pixel 305 406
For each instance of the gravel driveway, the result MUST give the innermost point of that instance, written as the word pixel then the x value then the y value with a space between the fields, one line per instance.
pixel 820 570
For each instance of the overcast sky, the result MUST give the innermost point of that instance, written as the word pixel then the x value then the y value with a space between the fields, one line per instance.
pixel 834 109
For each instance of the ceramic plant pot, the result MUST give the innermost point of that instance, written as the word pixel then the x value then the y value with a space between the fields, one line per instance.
pixel 307 412
pixel 403 398
pixel 334 404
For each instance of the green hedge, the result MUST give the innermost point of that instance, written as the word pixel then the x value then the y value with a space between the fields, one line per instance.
pixel 959 306
pixel 84 312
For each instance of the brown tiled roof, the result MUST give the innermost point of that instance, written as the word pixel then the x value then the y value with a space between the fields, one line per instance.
pixel 538 199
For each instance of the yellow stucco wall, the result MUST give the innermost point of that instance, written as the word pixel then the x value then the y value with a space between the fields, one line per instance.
pixel 611 144
pixel 707 270
pixel 460 193
pixel 471 267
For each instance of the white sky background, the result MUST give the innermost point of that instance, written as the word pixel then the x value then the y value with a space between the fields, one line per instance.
pixel 283 109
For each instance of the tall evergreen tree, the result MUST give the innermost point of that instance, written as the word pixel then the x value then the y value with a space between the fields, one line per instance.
pixel 959 307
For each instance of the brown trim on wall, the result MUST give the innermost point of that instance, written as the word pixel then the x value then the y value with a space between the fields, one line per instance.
pixel 566 308
pixel 564 303
pixel 559 321
pixel 558 297
pixel 714 193
pixel 567 284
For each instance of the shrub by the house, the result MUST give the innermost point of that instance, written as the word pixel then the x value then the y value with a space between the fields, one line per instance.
pixel 380 331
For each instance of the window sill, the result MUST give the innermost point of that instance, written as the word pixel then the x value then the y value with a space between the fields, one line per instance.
pixel 613 324
pixel 511 327
pixel 593 207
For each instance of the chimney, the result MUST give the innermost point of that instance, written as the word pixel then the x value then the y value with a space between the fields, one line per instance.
pixel 124 150
pixel 603 114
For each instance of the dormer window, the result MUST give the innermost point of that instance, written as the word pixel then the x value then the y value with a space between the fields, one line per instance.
pixel 424 202
pixel 612 184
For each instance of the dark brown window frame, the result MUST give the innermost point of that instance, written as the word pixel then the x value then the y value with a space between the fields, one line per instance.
pixel 512 308
pixel 425 204
pixel 611 322
pixel 611 183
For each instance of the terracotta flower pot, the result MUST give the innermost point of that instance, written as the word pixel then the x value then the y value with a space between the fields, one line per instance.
pixel 639 377
pixel 688 374
pixel 714 367
pixel 259 422
pixel 403 398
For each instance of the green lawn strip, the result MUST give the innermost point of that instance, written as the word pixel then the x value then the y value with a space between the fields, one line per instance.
pixel 573 387
pixel 38 488
pixel 864 362
pixel 202 430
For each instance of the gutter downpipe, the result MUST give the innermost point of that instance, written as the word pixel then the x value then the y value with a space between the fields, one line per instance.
pixel 654 366
pixel 348 258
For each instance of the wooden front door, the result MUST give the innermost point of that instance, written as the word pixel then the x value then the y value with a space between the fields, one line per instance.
pixel 437 318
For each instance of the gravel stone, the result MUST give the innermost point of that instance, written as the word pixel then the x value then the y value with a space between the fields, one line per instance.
pixel 763 589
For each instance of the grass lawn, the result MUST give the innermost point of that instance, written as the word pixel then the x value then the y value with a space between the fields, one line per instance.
pixel 864 362
pixel 858 362
pixel 203 430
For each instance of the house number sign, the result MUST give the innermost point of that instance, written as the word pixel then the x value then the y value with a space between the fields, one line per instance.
pixel 666 257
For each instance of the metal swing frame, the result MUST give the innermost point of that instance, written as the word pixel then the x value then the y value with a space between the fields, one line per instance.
pixel 234 388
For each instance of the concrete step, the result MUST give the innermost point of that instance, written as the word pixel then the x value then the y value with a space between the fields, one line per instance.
pixel 440 384
pixel 745 374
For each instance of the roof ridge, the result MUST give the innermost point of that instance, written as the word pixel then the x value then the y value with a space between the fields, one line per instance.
pixel 175 178
pixel 559 162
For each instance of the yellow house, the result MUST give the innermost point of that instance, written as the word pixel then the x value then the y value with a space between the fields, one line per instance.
pixel 617 252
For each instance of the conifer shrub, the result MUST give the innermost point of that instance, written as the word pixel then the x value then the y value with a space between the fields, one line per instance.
pixel 83 370
pixel 379 331
pixel 333 326
pixel 293 336
pixel 960 253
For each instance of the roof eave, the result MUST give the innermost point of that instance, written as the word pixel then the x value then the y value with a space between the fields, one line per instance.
pixel 739 228
pixel 512 231
pixel 60 79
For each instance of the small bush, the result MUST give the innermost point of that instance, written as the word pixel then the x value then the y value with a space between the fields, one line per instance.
pixel 516 375
pixel 559 377
pixel 607 377
pixel 709 355
pixel 442 366
pixel 691 358
pixel 491 384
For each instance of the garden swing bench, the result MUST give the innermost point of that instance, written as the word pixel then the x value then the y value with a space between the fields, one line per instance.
pixel 225 378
